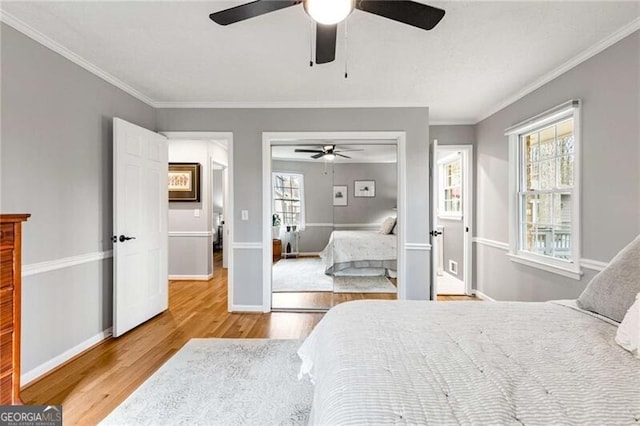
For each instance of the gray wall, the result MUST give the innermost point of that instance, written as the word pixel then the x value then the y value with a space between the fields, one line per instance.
pixel 459 134
pixel 609 85
pixel 56 164
pixel 360 210
pixel 247 126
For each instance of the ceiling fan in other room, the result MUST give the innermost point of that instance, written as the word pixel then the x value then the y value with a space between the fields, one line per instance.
pixel 328 13
pixel 328 152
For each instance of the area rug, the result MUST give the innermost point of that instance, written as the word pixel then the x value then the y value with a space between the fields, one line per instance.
pixel 222 382
pixel 344 284
pixel 302 274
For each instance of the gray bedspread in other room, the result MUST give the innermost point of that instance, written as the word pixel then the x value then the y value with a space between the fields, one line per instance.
pixel 360 249
pixel 403 362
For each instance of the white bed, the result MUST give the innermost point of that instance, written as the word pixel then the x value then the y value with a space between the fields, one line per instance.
pixel 403 362
pixel 360 253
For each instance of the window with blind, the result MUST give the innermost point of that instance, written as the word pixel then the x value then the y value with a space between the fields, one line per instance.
pixel 288 198
pixel 545 213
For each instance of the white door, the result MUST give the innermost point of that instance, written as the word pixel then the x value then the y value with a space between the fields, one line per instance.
pixel 140 216
pixel 435 249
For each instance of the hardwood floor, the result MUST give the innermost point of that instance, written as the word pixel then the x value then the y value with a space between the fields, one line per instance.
pixel 90 386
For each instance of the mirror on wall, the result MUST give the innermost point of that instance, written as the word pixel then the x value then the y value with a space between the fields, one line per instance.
pixel 330 200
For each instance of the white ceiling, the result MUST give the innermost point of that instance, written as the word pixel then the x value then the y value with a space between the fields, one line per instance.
pixel 366 153
pixel 479 57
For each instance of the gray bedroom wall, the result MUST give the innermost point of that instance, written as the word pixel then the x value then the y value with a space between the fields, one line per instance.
pixel 56 164
pixel 190 239
pixel 454 134
pixel 247 126
pixel 365 210
pixel 609 86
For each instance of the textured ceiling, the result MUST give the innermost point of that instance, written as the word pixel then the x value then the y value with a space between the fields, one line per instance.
pixel 479 56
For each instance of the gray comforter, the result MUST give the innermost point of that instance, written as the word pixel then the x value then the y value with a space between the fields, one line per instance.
pixel 360 249
pixel 376 362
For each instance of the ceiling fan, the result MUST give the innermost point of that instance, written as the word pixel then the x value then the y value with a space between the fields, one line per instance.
pixel 328 152
pixel 328 13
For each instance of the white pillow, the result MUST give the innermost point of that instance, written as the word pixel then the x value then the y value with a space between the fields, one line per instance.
pixel 387 225
pixel 628 335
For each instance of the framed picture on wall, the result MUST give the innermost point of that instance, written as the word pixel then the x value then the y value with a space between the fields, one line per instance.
pixel 364 188
pixel 184 182
pixel 340 195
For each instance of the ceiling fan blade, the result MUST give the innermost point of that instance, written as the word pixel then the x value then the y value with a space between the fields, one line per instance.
pixel 340 155
pixel 309 150
pixel 349 150
pixel 315 157
pixel 326 43
pixel 250 10
pixel 408 12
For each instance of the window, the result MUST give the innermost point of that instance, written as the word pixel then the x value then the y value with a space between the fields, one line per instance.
pixel 288 198
pixel 545 210
pixel 450 187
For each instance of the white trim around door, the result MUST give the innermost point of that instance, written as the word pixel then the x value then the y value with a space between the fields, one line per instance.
pixel 270 139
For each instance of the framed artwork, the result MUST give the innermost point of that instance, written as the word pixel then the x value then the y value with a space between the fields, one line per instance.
pixel 364 188
pixel 340 195
pixel 184 182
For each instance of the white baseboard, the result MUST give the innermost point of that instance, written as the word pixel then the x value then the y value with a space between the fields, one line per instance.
pixel 191 277
pixel 309 254
pixel 246 308
pixel 35 373
pixel 483 296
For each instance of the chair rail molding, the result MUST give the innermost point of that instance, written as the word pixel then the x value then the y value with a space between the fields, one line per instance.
pixel 65 262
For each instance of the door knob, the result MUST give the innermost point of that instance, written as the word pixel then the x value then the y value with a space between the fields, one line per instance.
pixel 435 233
pixel 123 238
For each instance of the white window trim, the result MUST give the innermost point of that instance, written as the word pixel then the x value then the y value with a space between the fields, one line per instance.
pixel 568 269
pixel 303 221
pixel 442 164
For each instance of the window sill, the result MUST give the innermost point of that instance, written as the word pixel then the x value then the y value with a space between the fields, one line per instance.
pixel 569 272
pixel 449 217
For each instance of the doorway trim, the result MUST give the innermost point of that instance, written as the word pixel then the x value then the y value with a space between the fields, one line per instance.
pixel 466 151
pixel 270 139
pixel 212 137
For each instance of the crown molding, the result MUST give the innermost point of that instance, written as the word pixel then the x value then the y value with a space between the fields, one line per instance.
pixel 34 34
pixel 608 41
pixel 289 104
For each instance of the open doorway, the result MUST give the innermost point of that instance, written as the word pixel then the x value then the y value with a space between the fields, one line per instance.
pixel 330 200
pixel 199 229
pixel 452 200
pixel 341 186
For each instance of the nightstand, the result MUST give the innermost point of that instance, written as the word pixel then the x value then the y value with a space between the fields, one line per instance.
pixel 277 250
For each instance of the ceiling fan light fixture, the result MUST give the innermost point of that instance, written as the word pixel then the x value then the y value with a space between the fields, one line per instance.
pixel 329 157
pixel 328 12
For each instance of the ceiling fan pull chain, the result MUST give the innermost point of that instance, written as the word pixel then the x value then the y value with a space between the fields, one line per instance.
pixel 346 51
pixel 311 43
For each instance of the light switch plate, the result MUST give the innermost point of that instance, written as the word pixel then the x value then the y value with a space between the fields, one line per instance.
pixel 245 214
pixel 196 213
